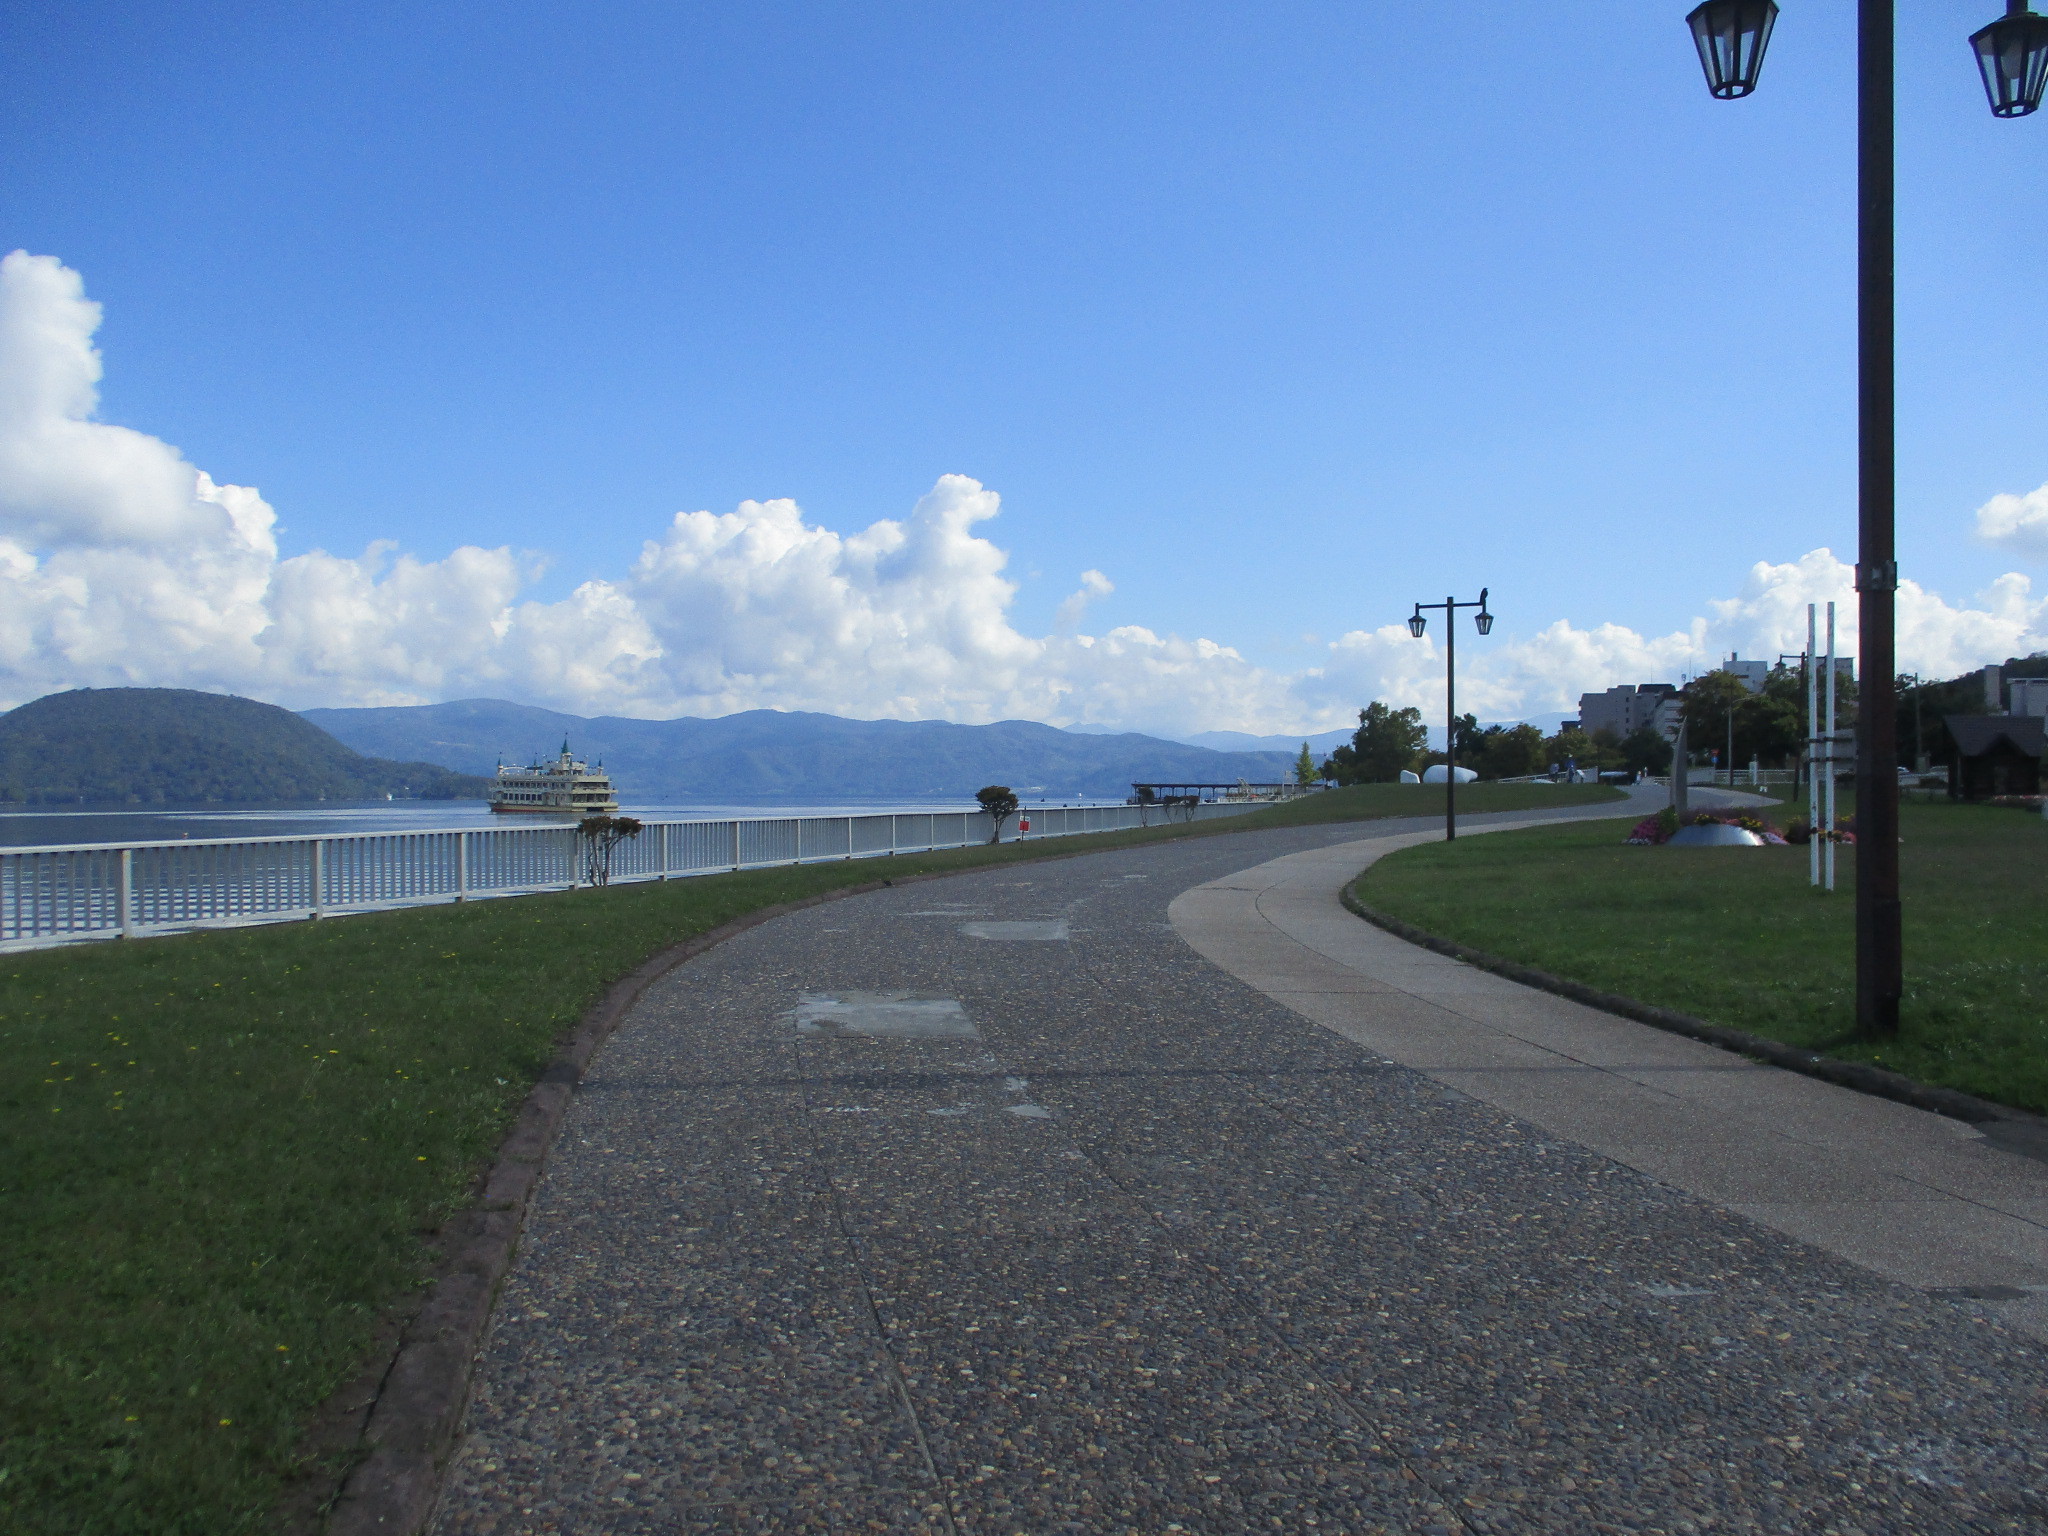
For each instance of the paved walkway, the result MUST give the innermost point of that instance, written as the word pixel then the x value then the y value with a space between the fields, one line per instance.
pixel 988 1205
pixel 1916 1197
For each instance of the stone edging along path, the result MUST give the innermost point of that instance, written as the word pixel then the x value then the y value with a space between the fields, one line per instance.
pixel 2013 1130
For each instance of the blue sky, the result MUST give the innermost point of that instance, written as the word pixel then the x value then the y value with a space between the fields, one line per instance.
pixel 1280 316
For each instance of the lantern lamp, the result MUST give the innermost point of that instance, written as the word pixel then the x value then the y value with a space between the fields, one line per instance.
pixel 1731 36
pixel 1417 624
pixel 1482 618
pixel 2012 55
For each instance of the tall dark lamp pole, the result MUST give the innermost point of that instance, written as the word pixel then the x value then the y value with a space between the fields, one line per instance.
pixel 2012 56
pixel 1416 625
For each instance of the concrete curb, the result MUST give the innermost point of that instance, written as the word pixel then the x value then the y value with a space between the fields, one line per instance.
pixel 2014 1130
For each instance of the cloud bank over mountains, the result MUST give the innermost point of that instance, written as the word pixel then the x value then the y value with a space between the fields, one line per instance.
pixel 123 564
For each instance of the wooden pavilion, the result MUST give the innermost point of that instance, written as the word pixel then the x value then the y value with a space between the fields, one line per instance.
pixel 1995 755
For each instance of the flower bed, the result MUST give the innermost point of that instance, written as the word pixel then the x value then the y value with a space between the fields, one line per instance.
pixel 1654 831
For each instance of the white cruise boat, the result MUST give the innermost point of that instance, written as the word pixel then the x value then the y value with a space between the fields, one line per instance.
pixel 566 786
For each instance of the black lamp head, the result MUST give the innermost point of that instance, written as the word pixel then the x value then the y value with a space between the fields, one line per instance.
pixel 1417 624
pixel 1731 36
pixel 2012 56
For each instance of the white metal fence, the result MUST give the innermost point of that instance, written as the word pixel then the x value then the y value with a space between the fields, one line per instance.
pixel 57 895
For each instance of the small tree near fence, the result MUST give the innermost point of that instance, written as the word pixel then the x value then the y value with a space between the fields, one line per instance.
pixel 601 834
pixel 1000 801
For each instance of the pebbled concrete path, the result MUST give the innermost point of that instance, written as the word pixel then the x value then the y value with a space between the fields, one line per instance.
pixel 1916 1197
pixel 988 1205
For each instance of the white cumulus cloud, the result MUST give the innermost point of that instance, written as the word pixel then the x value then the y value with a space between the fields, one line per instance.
pixel 2016 524
pixel 1094 586
pixel 122 563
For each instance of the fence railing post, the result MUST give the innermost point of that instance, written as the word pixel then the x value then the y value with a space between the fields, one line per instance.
pixel 736 845
pixel 664 850
pixel 319 892
pixel 462 866
pixel 124 899
pixel 849 837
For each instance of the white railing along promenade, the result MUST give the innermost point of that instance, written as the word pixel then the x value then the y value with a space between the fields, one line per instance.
pixel 54 895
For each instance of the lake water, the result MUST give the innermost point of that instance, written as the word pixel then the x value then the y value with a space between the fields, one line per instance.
pixel 46 826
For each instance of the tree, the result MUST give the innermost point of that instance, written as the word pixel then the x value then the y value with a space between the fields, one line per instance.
pixel 1386 741
pixel 1504 752
pixel 1305 766
pixel 1573 746
pixel 1769 725
pixel 1644 750
pixel 1000 801
pixel 601 834
pixel 1710 701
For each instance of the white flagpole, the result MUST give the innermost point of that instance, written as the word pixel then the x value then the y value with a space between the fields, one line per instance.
pixel 1812 752
pixel 1830 854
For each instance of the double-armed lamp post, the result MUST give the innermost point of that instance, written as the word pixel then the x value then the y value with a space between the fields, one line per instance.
pixel 1416 625
pixel 2012 57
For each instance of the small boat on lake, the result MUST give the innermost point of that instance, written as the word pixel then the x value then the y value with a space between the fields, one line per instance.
pixel 564 786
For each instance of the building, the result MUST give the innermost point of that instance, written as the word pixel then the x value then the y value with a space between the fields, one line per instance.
pixel 2028 695
pixel 1752 673
pixel 1664 719
pixel 1995 755
pixel 1626 710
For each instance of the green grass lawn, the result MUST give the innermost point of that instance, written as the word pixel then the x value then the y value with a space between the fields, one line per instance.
pixel 1368 801
pixel 1738 937
pixel 220 1153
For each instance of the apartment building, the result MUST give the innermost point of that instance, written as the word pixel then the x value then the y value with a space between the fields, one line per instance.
pixel 1626 710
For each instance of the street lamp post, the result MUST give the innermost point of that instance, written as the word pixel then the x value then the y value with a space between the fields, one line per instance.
pixel 2012 57
pixel 1416 624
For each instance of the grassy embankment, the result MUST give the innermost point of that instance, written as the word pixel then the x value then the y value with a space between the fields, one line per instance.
pixel 1738 937
pixel 220 1154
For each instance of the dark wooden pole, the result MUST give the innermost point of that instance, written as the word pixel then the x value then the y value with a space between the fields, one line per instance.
pixel 1879 963
pixel 1451 714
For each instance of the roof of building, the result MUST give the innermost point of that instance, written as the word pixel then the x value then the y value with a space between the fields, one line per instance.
pixel 1979 734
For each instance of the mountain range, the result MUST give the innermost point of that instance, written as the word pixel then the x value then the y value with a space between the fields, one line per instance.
pixel 769 755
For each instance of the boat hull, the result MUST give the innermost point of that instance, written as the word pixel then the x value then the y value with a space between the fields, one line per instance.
pixel 609 808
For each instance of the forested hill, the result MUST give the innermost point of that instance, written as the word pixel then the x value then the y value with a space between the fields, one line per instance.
pixel 171 745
